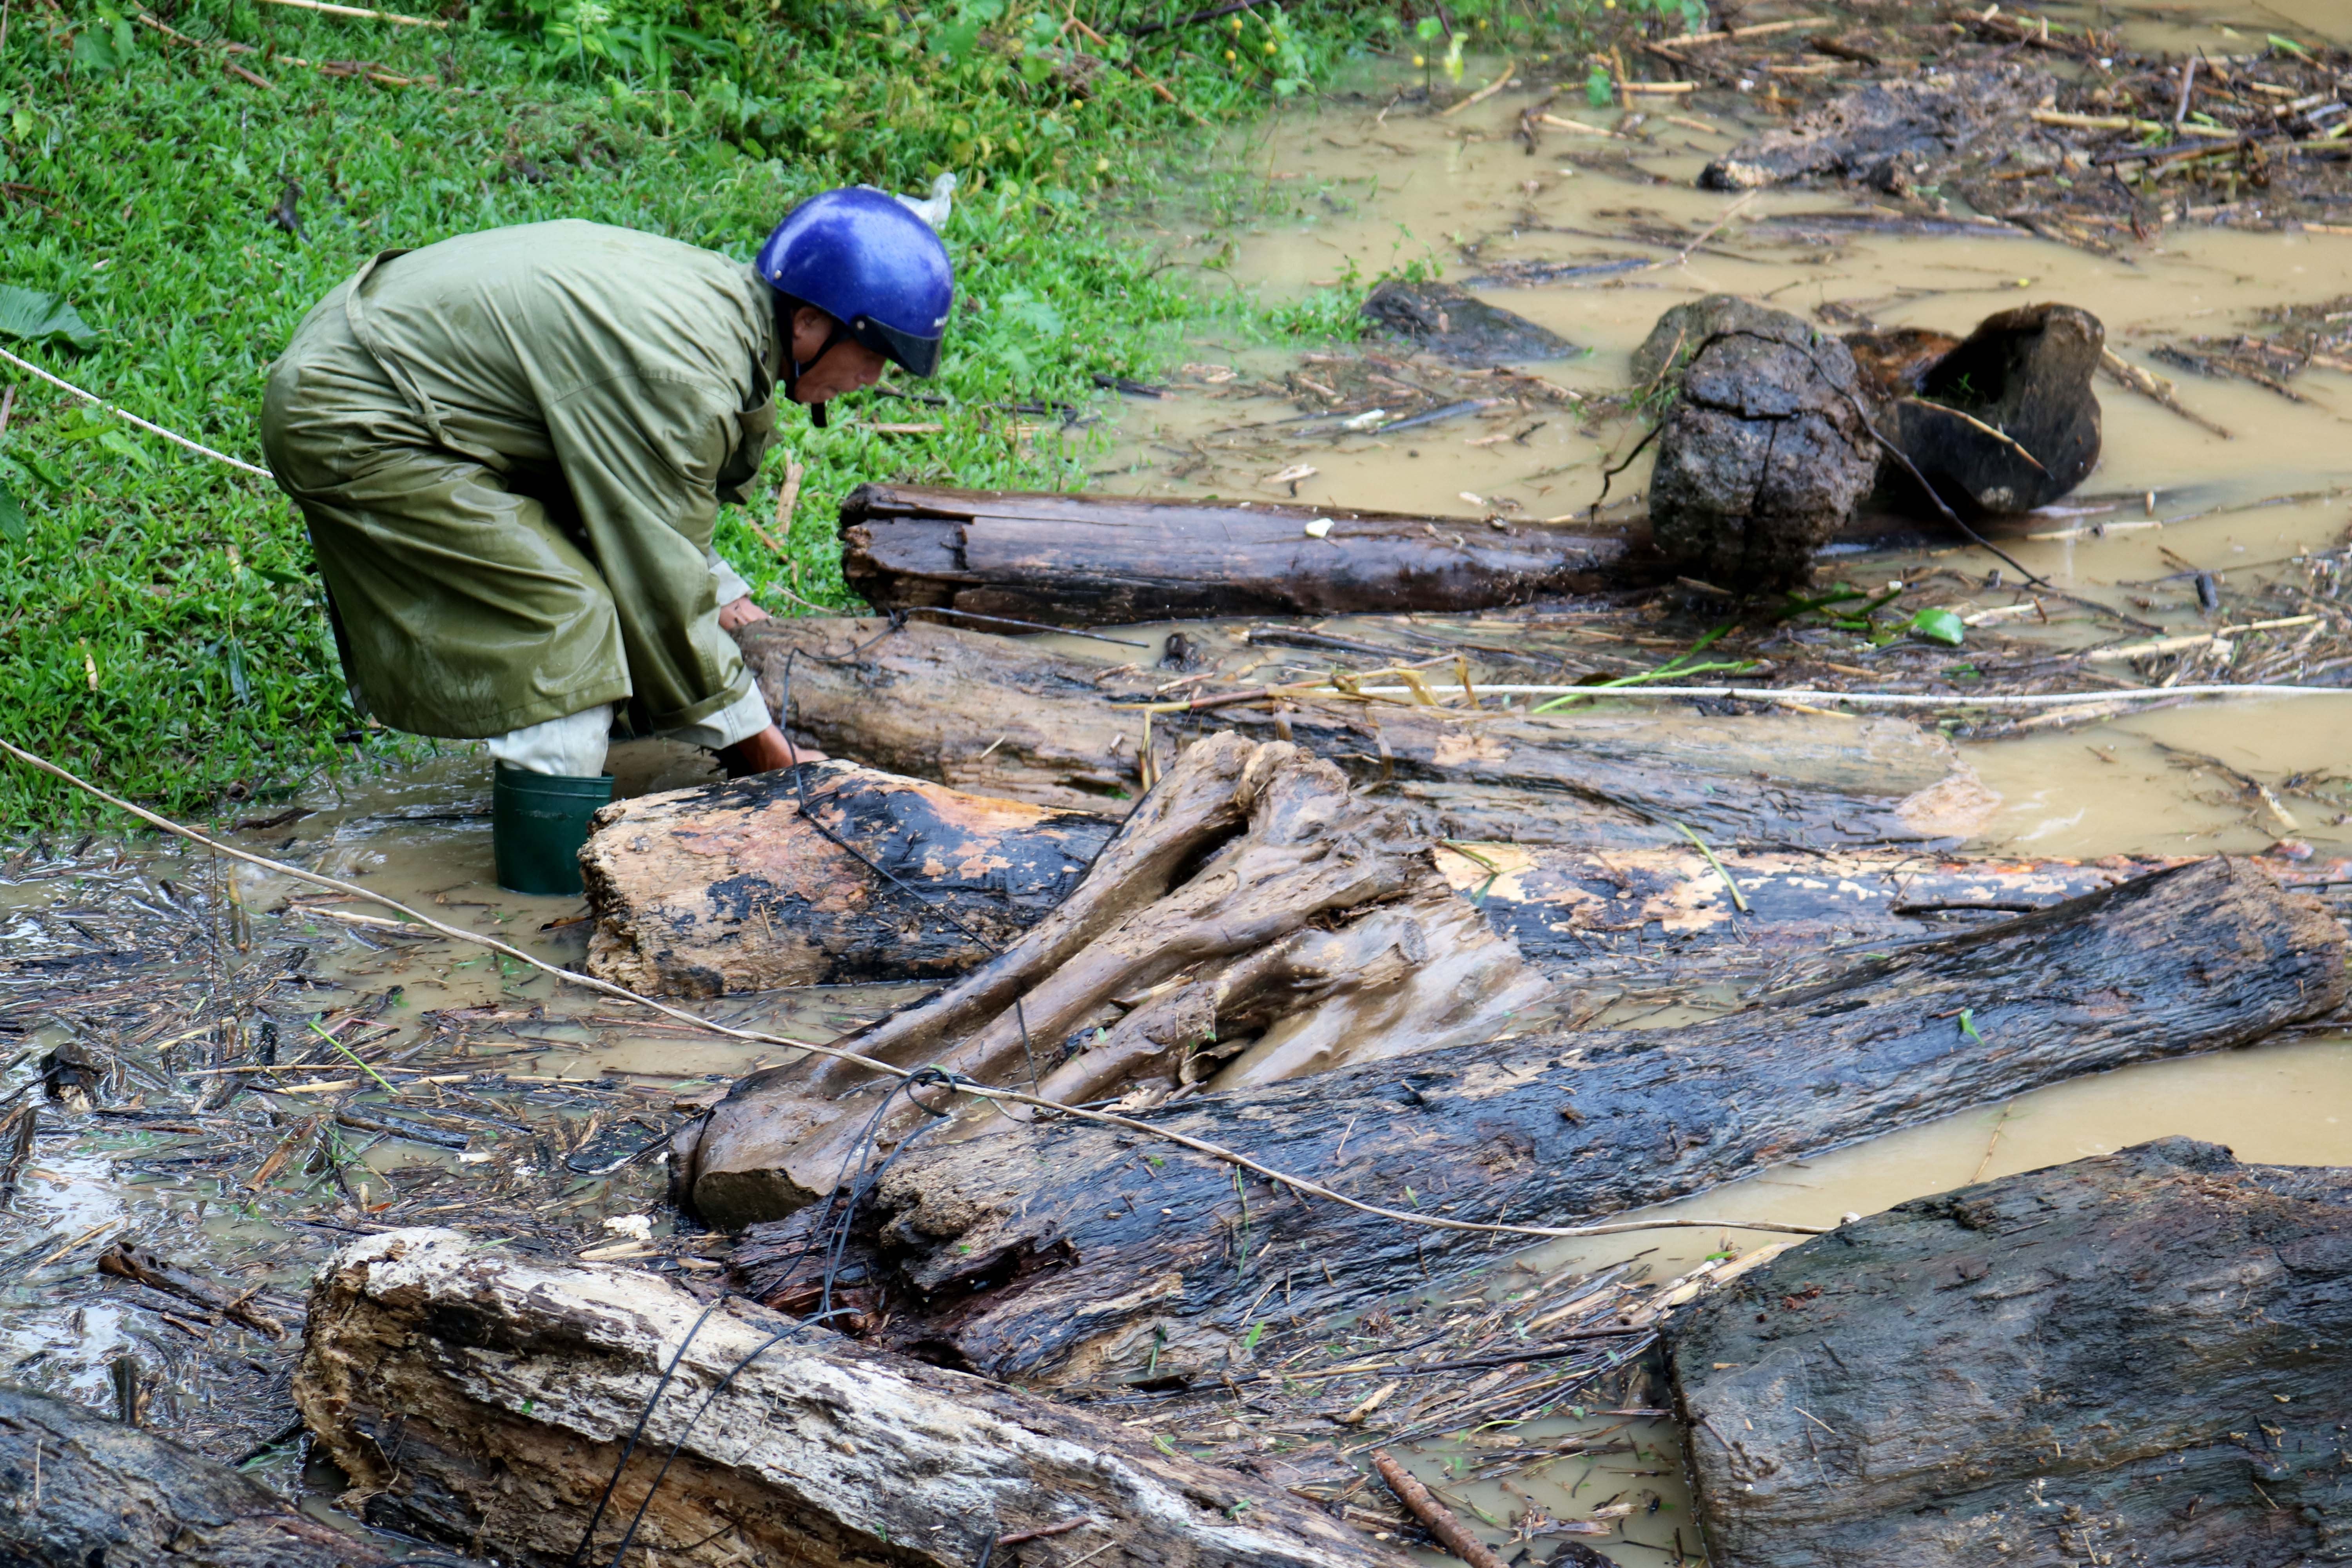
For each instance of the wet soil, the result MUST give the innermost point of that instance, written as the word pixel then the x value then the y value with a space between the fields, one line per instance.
pixel 416 1081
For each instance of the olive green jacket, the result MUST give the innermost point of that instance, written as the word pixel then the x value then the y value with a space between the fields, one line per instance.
pixel 510 447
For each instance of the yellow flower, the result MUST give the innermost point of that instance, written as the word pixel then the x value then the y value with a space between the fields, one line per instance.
pixel 1419 61
pixel 1230 57
pixel 1102 166
pixel 1269 46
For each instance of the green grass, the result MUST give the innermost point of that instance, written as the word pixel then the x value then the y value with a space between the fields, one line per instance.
pixel 160 626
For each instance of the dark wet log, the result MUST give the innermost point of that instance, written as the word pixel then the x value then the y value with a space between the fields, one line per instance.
pixel 77 1489
pixel 1441 320
pixel 2007 420
pixel 1086 560
pixel 477 1396
pixel 1255 919
pixel 1072 1251
pixel 727 888
pixel 1880 131
pixel 998 716
pixel 2144 1358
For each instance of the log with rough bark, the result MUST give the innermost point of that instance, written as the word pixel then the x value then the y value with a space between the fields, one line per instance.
pixel 725 889
pixel 1089 561
pixel 1253 919
pixel 472 1395
pixel 999 716
pixel 729 887
pixel 2143 1358
pixel 1071 1251
pixel 79 1490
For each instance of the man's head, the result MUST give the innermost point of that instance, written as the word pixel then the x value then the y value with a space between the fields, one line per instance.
pixel 861 280
pixel 847 365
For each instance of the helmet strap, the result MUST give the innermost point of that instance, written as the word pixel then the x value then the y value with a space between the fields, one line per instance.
pixel 834 339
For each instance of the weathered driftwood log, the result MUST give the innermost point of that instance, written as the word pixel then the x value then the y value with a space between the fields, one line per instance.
pixel 1887 133
pixel 77 1489
pixel 1000 717
pixel 1086 560
pixel 1440 319
pixel 729 888
pixel 2142 1358
pixel 1252 907
pixel 474 1396
pixel 726 889
pixel 1070 1251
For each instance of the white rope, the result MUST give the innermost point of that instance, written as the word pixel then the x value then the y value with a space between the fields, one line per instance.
pixel 1878 699
pixel 962 1085
pixel 93 399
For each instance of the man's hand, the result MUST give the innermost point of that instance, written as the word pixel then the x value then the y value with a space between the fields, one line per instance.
pixel 764 753
pixel 741 613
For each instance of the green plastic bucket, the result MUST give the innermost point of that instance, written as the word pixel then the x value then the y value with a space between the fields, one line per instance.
pixel 537 823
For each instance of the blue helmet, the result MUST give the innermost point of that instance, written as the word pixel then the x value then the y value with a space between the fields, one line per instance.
pixel 870 264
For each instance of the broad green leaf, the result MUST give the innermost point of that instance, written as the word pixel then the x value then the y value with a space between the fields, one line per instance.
pixel 33 316
pixel 13 525
pixel 96 50
pixel 1938 626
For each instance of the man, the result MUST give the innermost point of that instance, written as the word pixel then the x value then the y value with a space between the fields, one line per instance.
pixel 511 448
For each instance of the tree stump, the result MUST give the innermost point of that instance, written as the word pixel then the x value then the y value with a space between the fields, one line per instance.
pixel 1253 919
pixel 1765 448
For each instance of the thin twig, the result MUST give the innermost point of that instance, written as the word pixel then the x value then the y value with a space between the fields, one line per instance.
pixel 1441 1520
pixel 2003 437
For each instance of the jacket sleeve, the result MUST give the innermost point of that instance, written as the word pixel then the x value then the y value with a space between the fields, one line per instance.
pixel 645 457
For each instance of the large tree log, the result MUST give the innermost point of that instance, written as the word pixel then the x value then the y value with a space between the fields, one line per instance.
pixel 2144 1358
pixel 725 889
pixel 1071 1251
pixel 1251 904
pixel 1088 560
pixel 998 716
pixel 473 1396
pixel 729 888
pixel 78 1490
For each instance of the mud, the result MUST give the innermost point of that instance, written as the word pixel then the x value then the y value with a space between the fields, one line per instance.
pixel 1590 236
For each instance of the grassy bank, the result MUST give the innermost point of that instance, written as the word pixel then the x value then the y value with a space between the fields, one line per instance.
pixel 191 195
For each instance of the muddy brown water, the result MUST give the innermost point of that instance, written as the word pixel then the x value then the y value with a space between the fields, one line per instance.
pixel 1367 184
